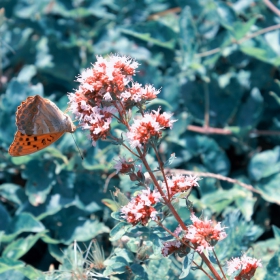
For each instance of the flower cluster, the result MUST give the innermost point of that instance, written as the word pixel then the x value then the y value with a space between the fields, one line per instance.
pixel 181 183
pixel 140 209
pixel 124 166
pixel 148 127
pixel 104 90
pixel 107 79
pixel 246 265
pixel 170 247
pixel 138 94
pixel 203 234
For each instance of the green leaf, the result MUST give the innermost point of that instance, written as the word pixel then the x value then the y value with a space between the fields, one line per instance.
pixel 188 37
pixel 124 253
pixel 152 32
pixel 276 232
pixel 160 101
pixel 80 230
pixel 2 16
pixel 47 239
pixel 13 193
pixel 4 218
pixel 31 273
pixel 40 177
pixel 264 164
pixel 12 274
pixel 186 266
pixel 11 266
pixel 220 199
pixel 113 205
pixel 273 267
pixel 225 14
pixel 23 222
pixel 7 264
pixel 251 110
pixel 117 216
pixel 115 265
pixel 263 54
pixel 138 270
pixel 264 168
pixel 56 252
pixel 158 269
pixel 119 230
pixel 212 155
pixel 241 234
pixel 20 247
pixel 240 29
pixel 26 73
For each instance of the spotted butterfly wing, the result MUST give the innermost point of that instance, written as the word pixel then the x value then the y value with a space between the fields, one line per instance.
pixel 25 145
pixel 40 123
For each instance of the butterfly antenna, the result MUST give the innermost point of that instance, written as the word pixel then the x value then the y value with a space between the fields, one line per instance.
pixel 77 147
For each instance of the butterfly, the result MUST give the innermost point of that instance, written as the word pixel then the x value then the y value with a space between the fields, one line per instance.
pixel 40 123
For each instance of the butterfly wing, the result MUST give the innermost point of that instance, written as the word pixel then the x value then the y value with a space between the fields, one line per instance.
pixel 37 115
pixel 25 145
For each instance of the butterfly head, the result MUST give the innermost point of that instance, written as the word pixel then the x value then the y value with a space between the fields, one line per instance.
pixel 70 127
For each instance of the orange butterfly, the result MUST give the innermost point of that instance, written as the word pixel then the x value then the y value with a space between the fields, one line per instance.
pixel 40 123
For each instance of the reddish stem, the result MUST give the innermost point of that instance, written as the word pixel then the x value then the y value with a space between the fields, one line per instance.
pixel 174 212
pixel 219 264
pixel 199 267
pixel 161 167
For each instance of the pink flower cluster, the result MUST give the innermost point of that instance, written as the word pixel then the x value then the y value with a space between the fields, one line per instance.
pixel 148 127
pixel 170 247
pixel 203 234
pixel 124 166
pixel 138 94
pixel 181 183
pixel 104 91
pixel 246 265
pixel 140 209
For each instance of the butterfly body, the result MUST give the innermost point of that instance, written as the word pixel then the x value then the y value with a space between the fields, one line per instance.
pixel 40 123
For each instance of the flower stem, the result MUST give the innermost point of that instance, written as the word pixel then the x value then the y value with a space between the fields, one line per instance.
pixel 200 267
pixel 174 212
pixel 219 264
pixel 130 150
pixel 161 167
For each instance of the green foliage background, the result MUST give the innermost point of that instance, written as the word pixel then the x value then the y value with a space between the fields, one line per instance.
pixel 51 198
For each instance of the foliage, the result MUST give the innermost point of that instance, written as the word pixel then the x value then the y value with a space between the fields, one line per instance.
pixel 52 198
